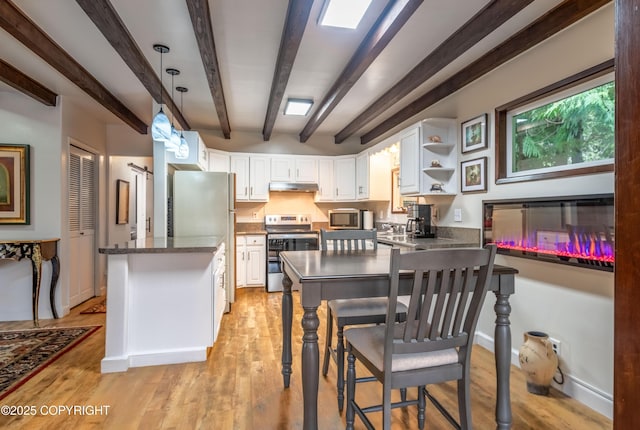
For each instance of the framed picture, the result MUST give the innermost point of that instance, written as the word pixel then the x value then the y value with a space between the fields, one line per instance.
pixel 14 184
pixel 474 175
pixel 474 134
pixel 122 202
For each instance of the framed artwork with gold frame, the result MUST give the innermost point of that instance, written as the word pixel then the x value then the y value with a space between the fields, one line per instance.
pixel 14 184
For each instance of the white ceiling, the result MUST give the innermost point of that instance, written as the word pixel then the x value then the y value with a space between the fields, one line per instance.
pixel 247 36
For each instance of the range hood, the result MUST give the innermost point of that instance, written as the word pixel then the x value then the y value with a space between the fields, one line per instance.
pixel 293 186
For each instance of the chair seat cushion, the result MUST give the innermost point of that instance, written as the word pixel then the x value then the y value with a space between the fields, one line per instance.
pixel 362 306
pixel 369 341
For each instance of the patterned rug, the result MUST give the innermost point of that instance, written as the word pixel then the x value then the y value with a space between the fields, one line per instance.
pixel 24 353
pixel 98 308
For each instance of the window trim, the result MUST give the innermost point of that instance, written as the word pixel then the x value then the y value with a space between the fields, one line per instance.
pixel 501 125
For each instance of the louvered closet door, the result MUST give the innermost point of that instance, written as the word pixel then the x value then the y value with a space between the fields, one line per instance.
pixel 82 220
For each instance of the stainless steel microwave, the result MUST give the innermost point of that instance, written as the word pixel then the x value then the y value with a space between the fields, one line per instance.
pixel 345 218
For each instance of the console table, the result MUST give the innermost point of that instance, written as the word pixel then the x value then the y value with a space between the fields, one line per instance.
pixel 37 251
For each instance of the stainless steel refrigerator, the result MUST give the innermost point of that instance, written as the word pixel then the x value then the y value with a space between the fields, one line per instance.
pixel 204 205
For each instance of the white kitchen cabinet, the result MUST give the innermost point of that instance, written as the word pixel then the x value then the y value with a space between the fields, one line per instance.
pixel 439 156
pixel 336 179
pixel 197 158
pixel 218 161
pixel 251 260
pixel 373 176
pixel 294 169
pixel 428 158
pixel 325 191
pixel 344 173
pixel 252 177
pixel 410 161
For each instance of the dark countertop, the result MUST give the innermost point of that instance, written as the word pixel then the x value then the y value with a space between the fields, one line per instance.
pixel 161 245
pixel 410 242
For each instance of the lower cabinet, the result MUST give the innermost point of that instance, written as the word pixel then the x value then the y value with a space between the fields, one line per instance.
pixel 251 260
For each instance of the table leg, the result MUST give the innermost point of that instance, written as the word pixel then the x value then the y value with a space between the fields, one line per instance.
pixel 55 274
pixel 310 367
pixel 503 360
pixel 287 316
pixel 36 275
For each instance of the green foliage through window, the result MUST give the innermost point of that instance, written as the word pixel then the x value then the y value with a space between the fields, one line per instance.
pixel 574 130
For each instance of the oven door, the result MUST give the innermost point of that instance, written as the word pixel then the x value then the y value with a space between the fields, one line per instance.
pixel 278 242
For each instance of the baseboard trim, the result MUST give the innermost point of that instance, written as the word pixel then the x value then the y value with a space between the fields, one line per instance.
pixel 123 363
pixel 573 387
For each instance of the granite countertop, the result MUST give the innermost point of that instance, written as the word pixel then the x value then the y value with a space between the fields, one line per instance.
pixel 427 243
pixel 252 232
pixel 162 245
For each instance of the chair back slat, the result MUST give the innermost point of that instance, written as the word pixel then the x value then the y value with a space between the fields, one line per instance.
pixel 348 240
pixel 447 290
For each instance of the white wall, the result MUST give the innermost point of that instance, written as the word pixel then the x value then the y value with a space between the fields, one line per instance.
pixel 27 122
pixel 573 305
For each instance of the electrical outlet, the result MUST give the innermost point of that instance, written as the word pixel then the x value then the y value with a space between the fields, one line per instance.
pixel 457 215
pixel 555 344
pixel 255 215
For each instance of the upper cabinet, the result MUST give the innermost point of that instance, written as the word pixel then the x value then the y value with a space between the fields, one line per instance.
pixel 294 169
pixel 218 161
pixel 252 177
pixel 336 179
pixel 197 156
pixel 373 176
pixel 428 159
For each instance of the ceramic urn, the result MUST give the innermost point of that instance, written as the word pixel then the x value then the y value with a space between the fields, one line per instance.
pixel 539 362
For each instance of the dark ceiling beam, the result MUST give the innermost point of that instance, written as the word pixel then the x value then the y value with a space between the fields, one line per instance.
pixel 392 19
pixel 23 83
pixel 297 16
pixel 475 29
pixel 564 15
pixel 26 32
pixel 201 21
pixel 107 20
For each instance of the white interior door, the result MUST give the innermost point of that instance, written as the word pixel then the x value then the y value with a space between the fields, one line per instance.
pixel 82 220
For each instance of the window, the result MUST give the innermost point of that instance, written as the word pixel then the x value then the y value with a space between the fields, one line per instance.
pixel 564 129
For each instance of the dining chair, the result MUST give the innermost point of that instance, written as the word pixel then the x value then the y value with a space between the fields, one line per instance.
pixel 348 312
pixel 434 344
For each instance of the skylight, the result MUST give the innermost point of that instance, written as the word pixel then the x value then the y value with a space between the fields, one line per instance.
pixel 343 13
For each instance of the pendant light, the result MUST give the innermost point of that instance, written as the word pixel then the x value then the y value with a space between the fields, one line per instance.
pixel 160 126
pixel 183 149
pixel 174 136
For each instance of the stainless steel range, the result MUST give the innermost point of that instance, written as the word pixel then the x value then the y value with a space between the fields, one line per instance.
pixel 286 233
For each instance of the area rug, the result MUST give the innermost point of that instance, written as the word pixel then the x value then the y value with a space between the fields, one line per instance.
pixel 98 308
pixel 24 353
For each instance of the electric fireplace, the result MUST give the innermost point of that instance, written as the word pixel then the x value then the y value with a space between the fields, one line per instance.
pixel 577 230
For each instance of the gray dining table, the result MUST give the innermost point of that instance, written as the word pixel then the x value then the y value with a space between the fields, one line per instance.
pixel 327 275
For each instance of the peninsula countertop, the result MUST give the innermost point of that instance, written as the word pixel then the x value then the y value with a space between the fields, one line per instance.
pixel 166 245
pixel 424 243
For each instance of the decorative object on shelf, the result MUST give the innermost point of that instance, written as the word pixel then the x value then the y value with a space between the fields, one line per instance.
pixel 474 134
pixel 122 202
pixel 474 175
pixel 539 361
pixel 435 139
pixel 436 187
pixel 160 126
pixel 14 184
pixel 435 163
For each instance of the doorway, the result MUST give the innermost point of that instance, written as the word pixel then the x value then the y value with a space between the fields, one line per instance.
pixel 82 224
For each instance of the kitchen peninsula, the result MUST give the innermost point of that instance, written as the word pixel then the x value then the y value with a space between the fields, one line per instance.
pixel 164 301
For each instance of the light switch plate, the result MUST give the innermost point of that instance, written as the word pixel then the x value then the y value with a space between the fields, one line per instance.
pixel 457 215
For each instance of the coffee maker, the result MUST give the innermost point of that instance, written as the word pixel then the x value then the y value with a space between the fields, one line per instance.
pixel 419 221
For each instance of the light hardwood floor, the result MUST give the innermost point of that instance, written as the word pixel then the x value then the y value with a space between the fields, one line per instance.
pixel 240 385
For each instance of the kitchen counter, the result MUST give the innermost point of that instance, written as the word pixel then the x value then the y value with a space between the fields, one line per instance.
pixel 170 245
pixel 164 301
pixel 251 233
pixel 426 243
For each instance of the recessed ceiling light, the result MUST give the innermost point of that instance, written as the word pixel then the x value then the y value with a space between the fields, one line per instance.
pixel 343 13
pixel 298 106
